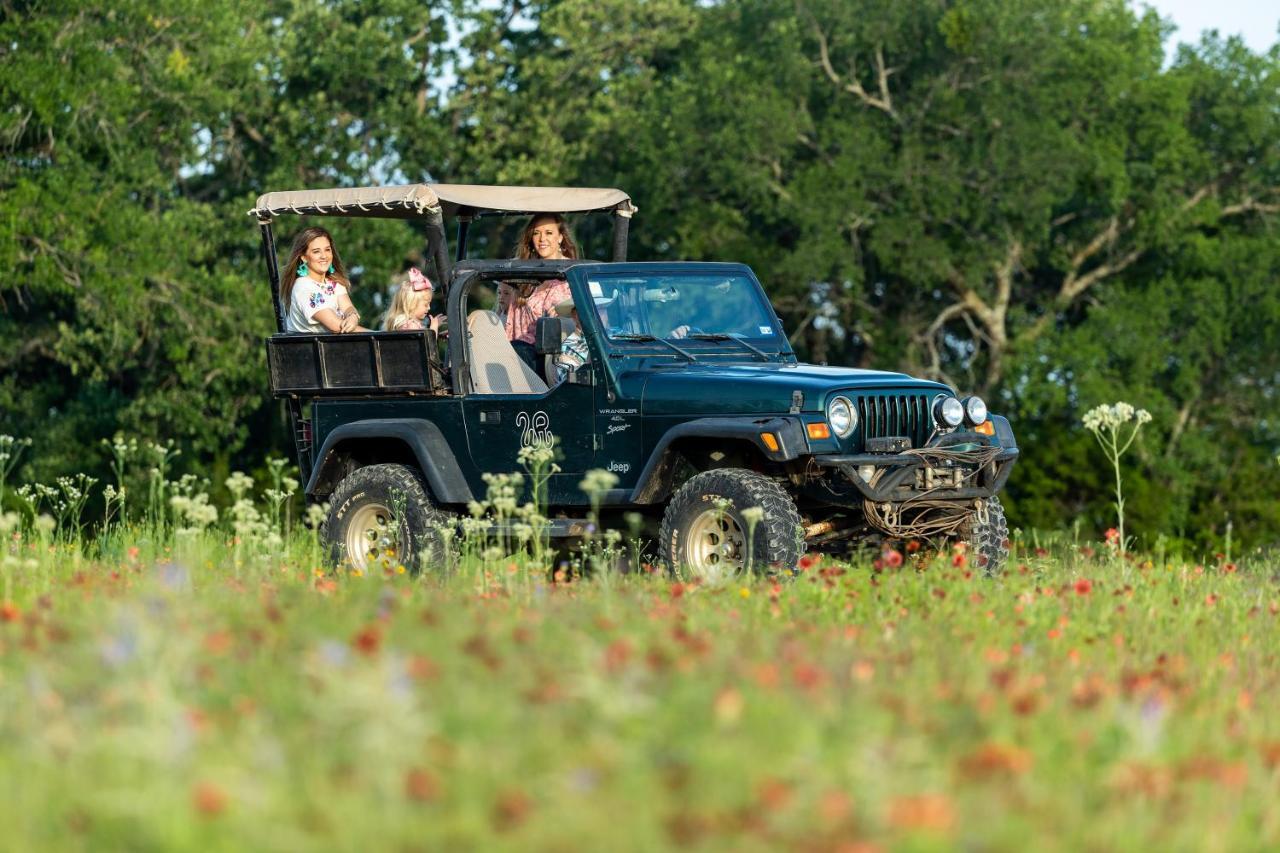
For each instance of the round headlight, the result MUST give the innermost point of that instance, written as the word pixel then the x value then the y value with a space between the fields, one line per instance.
pixel 975 410
pixel 841 416
pixel 948 412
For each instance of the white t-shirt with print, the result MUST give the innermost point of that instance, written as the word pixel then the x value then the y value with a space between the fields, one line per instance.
pixel 310 296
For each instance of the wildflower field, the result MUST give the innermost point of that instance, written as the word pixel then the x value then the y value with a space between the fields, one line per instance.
pixel 178 676
pixel 197 691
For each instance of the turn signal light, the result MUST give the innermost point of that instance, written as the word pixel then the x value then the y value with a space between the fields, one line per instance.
pixel 770 441
pixel 986 428
pixel 819 430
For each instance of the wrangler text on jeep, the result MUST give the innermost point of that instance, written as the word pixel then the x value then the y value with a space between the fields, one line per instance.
pixel 691 396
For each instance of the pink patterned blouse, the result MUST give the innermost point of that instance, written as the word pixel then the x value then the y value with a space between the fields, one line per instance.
pixel 521 319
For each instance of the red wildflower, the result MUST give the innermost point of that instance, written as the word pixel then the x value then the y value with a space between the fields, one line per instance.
pixel 930 811
pixel 368 640
pixel 1210 599
pixel 616 655
pixel 807 562
pixel 1112 536
pixel 959 560
pixel 808 676
pixel 892 558
pixel 197 719
pixel 1084 586
pixel 9 612
pixel 994 760
pixel 511 810
pixel 773 794
pixel 422 668
pixel 913 546
pixel 208 799
pixel 1229 568
pixel 834 806
pixel 677 590
pixel 421 786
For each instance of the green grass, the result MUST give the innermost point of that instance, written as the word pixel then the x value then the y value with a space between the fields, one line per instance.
pixel 189 701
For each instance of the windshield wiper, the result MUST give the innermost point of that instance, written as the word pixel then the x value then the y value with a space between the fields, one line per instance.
pixel 720 336
pixel 648 338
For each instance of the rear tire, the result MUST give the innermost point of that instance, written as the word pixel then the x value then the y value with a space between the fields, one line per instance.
pixel 705 536
pixel 987 535
pixel 381 517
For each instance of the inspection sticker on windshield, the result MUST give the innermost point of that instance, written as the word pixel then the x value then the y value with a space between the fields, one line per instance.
pixel 766 330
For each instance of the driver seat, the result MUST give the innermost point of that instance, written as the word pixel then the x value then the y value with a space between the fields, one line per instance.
pixel 495 367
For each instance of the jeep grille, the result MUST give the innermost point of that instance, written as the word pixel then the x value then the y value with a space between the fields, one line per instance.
pixel 896 414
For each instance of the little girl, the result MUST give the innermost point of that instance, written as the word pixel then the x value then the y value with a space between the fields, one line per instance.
pixel 411 307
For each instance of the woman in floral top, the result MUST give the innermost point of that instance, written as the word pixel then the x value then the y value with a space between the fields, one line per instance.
pixel 521 306
pixel 314 287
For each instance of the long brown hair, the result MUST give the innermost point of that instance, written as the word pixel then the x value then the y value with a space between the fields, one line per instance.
pixel 568 248
pixel 300 243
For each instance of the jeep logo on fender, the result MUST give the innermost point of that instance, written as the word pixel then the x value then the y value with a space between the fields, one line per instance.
pixel 535 430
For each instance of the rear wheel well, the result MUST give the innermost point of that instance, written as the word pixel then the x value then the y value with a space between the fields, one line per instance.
pixel 351 454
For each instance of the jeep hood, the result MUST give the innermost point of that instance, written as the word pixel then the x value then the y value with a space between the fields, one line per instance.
pixel 719 389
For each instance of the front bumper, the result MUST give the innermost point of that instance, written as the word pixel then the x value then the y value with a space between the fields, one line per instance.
pixel 970 466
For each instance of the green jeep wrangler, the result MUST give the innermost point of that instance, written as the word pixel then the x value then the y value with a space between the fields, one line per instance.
pixel 691 396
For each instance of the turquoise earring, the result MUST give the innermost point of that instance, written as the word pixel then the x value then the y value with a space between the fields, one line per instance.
pixel 330 267
pixel 302 269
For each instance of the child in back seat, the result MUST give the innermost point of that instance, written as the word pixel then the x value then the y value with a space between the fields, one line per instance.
pixel 411 307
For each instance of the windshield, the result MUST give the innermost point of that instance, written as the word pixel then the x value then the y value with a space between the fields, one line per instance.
pixel 672 307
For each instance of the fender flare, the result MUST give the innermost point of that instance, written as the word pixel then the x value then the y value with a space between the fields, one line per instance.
pixel 788 430
pixel 425 441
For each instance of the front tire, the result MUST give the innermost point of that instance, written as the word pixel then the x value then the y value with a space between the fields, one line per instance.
pixel 381 517
pixel 986 532
pixel 705 535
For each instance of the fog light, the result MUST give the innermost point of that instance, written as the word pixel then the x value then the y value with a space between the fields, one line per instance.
pixel 948 411
pixel 975 410
pixel 819 430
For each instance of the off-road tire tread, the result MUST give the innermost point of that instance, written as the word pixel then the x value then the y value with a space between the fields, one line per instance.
pixel 783 544
pixel 989 542
pixel 422 516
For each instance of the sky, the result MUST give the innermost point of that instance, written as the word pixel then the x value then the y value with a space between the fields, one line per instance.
pixel 1254 20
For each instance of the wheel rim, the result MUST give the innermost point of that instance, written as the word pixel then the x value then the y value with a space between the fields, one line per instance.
pixel 716 547
pixel 371 537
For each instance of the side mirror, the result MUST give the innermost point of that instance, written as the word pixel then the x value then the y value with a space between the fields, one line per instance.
pixel 548 335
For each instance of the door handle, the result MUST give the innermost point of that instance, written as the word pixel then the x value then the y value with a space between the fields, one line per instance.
pixel 490 417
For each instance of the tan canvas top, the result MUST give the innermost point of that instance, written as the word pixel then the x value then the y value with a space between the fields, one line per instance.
pixel 415 200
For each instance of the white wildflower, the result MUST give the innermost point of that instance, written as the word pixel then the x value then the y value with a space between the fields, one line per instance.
pixel 316 514
pixel 238 484
pixel 598 481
